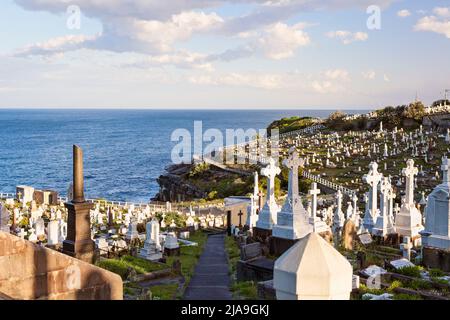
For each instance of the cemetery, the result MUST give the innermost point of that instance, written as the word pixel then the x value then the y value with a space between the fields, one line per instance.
pixel 344 214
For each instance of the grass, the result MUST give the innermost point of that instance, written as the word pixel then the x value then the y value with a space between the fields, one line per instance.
pixel 122 265
pixel 412 271
pixel 234 253
pixel 404 296
pixel 189 256
pixel 436 273
pixel 164 292
pixel 418 284
pixel 246 290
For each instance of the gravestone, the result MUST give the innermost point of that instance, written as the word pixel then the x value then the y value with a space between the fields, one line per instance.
pixel 408 221
pixel 436 236
pixel 372 178
pixel 152 247
pixel 268 214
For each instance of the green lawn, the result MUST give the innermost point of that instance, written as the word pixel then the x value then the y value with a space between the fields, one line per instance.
pixel 120 266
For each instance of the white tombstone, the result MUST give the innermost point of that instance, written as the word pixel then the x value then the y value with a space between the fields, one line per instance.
pixel 437 223
pixel 171 241
pixel 53 233
pixel 317 224
pixel 40 227
pixel 384 225
pixel 252 216
pixel 152 246
pixel 292 220
pixel 338 216
pixel 268 214
pixel 312 270
pixel 408 221
pixel 372 212
pixel 132 232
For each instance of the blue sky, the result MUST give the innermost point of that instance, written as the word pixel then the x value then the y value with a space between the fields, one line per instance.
pixel 222 53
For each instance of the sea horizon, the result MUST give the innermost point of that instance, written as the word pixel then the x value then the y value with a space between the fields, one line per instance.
pixel 125 150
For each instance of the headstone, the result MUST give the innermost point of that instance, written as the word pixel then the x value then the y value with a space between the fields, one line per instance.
pixel 152 247
pixel 408 221
pixel 384 225
pixel 293 221
pixel 268 214
pixel 437 223
pixel 53 233
pixel 372 212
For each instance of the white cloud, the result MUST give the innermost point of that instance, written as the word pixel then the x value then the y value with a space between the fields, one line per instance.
pixel 442 12
pixel 348 37
pixel 279 41
pixel 55 45
pixel 386 78
pixel 403 13
pixel 337 74
pixel 439 24
pixel 259 81
pixel 369 75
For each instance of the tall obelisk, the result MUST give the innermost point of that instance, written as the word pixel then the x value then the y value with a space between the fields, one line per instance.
pixel 78 242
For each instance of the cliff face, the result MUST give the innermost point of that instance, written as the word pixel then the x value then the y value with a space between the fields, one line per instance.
pixel 174 187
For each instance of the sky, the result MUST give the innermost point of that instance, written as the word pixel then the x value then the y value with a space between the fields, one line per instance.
pixel 278 54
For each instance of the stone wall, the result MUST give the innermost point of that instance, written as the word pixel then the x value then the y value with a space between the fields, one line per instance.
pixel 29 271
pixel 437 121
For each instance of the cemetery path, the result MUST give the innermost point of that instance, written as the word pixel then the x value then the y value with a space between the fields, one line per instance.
pixel 211 280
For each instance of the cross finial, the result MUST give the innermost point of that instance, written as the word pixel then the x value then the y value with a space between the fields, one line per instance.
pixel 410 170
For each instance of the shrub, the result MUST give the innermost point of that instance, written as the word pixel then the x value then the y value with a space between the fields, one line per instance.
pixel 412 271
pixel 404 296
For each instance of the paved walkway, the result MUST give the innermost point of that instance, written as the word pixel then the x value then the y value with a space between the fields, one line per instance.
pixel 211 280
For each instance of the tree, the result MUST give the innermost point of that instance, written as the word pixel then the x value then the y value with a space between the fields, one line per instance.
pixel 415 110
pixel 337 115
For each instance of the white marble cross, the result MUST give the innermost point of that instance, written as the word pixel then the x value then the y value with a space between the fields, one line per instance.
pixel 373 178
pixel 314 192
pixel 271 171
pixel 293 162
pixel 409 172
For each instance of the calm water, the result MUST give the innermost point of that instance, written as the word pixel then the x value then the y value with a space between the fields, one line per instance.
pixel 125 150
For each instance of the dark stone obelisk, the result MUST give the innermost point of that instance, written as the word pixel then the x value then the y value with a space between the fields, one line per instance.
pixel 78 242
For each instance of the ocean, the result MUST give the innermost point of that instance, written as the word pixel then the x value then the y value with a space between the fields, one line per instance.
pixel 125 151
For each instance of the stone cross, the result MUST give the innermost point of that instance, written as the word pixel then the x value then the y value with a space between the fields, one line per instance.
pixel 406 247
pixel 240 218
pixel 292 163
pixel 314 192
pixel 409 172
pixel 271 171
pixel 385 189
pixel 373 178
pixel 445 171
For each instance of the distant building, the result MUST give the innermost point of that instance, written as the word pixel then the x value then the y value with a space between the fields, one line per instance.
pixel 238 207
pixel 27 194
pixel 24 193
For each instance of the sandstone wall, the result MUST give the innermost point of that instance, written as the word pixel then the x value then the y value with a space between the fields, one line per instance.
pixel 29 271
